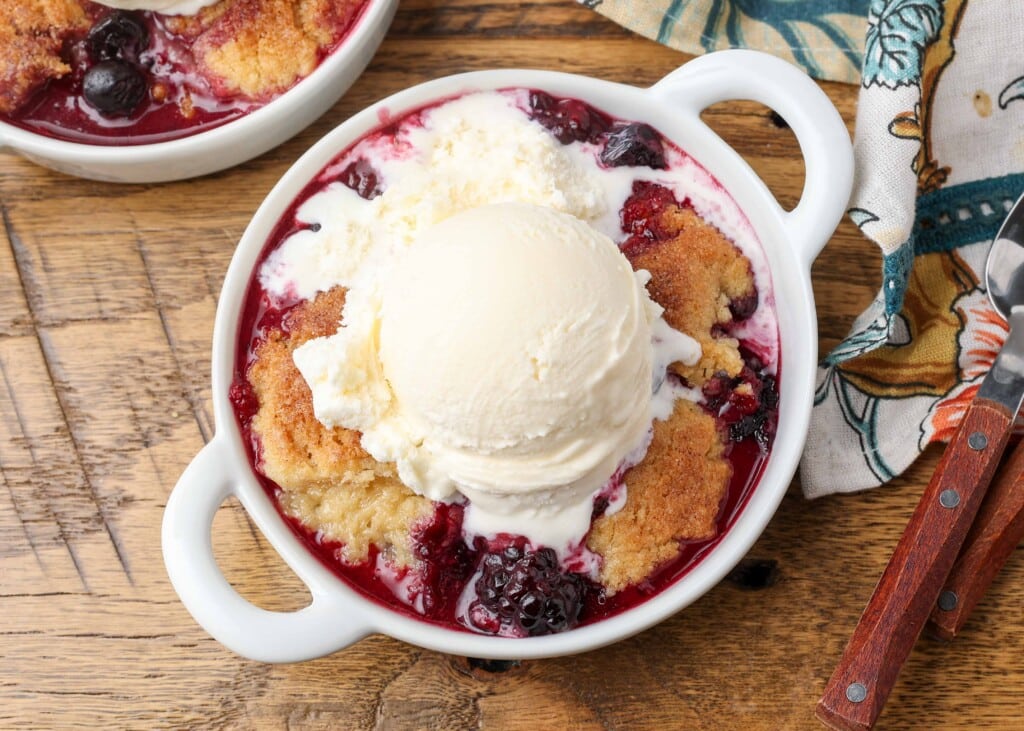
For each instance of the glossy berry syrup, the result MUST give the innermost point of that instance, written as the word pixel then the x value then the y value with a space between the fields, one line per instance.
pixel 503 585
pixel 132 82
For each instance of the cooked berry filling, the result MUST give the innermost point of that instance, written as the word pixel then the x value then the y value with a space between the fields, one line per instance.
pixel 746 404
pixel 446 560
pixel 505 585
pixel 641 216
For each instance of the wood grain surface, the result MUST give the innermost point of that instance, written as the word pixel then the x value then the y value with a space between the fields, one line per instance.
pixel 106 314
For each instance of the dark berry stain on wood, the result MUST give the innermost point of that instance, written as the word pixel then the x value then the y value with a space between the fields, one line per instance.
pixel 755 574
pixel 492 666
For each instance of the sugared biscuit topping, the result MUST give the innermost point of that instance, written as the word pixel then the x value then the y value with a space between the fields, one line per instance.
pixel 32 37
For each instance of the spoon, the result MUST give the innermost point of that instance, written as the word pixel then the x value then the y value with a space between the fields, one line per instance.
pixel 910 585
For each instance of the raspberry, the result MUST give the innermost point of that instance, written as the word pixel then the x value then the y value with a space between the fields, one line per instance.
pixel 243 399
pixel 641 216
pixel 362 178
pixel 569 120
pixel 524 592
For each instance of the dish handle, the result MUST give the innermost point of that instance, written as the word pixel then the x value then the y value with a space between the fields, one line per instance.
pixel 326 625
pixel 824 140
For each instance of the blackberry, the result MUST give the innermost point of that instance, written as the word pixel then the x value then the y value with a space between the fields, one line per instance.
pixel 525 592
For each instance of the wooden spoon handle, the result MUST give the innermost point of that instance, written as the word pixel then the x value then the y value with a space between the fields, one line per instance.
pixel 910 584
pixel 997 530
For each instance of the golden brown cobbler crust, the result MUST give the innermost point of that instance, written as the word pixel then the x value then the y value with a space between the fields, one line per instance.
pixel 32 34
pixel 329 481
pixel 258 48
pixel 674 495
pixel 249 48
pixel 676 492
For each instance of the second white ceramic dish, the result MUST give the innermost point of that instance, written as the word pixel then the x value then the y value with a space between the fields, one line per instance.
pixel 338 614
pixel 225 146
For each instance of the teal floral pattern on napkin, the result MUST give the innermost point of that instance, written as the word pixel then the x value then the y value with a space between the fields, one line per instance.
pixel 825 37
pixel 898 33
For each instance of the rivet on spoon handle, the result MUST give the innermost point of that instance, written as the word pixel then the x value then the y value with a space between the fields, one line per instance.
pixel 997 530
pixel 910 584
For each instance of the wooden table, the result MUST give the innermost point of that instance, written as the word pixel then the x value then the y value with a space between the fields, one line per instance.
pixel 106 312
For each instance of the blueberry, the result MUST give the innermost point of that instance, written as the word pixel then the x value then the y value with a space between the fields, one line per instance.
pixel 118 35
pixel 634 145
pixel 744 306
pixel 114 87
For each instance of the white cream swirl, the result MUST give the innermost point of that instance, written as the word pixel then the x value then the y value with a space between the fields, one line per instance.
pixel 167 7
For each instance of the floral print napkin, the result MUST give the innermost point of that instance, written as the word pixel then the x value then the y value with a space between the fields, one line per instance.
pixel 939 148
pixel 825 37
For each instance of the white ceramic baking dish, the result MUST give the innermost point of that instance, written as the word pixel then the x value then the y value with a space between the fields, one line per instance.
pixel 338 615
pixel 225 146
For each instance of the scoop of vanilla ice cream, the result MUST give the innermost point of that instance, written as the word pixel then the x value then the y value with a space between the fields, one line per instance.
pixel 516 341
pixel 506 355
pixel 167 7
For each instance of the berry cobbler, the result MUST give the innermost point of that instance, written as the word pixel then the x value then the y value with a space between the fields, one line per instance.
pixel 509 364
pixel 103 74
